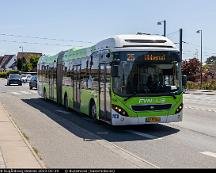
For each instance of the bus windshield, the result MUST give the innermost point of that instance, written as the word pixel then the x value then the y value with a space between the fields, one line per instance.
pixel 148 73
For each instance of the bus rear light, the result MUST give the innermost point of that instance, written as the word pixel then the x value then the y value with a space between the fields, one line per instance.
pixel 120 110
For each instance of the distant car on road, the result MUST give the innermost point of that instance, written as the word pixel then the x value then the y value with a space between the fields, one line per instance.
pixel 24 78
pixel 28 79
pixel 33 82
pixel 14 79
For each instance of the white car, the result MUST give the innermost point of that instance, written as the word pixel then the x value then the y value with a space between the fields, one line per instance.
pixel 28 78
pixel 23 78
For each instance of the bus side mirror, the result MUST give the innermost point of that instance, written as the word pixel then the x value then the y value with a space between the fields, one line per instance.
pixel 184 80
pixel 115 70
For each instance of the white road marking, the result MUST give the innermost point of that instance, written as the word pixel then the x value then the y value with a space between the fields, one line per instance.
pixel 64 112
pixel 144 135
pixel 2 162
pixel 15 93
pixel 33 91
pixel 134 159
pixel 201 109
pixel 25 92
pixel 208 153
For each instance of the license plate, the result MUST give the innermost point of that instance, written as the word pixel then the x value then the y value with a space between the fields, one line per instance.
pixel 153 119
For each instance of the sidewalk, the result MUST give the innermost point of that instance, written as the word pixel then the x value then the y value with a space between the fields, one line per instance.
pixel 15 151
pixel 201 92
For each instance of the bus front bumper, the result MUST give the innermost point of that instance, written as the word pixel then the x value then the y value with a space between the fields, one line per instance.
pixel 119 120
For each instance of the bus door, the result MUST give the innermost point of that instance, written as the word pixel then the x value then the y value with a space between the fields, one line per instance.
pixel 59 82
pixel 51 83
pixel 76 87
pixel 104 91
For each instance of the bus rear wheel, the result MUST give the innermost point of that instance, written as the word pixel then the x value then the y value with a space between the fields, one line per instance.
pixel 92 111
pixel 45 95
pixel 66 102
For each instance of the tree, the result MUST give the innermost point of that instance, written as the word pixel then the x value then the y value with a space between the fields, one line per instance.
pixel 34 60
pixel 27 67
pixel 19 64
pixel 191 68
pixel 211 60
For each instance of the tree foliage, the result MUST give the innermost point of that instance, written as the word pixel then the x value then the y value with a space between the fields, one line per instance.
pixel 34 60
pixel 19 64
pixel 191 68
pixel 27 66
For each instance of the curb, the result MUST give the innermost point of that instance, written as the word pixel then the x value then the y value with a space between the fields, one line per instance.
pixel 40 162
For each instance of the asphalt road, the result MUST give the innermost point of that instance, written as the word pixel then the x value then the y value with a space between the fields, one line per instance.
pixel 71 140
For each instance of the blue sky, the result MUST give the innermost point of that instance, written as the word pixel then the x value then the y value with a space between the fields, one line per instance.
pixel 94 20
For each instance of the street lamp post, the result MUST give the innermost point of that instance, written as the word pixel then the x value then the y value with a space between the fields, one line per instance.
pixel 164 24
pixel 201 45
pixel 180 42
pixel 21 47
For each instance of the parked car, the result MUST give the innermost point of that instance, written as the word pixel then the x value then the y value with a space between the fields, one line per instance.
pixel 14 79
pixel 33 82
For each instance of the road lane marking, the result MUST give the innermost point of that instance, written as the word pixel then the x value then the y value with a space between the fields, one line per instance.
pixel 15 93
pixel 64 112
pixel 35 92
pixel 144 135
pixel 133 158
pixel 201 109
pixel 2 162
pixel 25 92
pixel 208 153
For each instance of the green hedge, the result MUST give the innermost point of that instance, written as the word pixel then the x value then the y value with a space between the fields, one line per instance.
pixel 209 85
pixel 5 74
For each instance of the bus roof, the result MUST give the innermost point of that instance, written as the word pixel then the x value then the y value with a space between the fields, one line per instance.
pixel 144 42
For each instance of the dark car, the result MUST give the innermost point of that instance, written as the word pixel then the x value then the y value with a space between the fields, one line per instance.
pixel 33 82
pixel 14 79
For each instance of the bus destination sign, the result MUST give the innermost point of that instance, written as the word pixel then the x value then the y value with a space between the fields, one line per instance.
pixel 155 57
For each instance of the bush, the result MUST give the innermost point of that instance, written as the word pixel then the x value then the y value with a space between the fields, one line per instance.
pixel 6 74
pixel 208 85
pixel 3 74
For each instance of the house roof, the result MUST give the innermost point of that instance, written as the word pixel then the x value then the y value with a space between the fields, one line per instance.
pixel 27 55
pixel 5 60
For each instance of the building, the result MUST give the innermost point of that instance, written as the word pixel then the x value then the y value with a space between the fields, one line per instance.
pixel 8 62
pixel 27 55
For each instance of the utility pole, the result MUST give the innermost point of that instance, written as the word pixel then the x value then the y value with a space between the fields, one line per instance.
pixel 180 42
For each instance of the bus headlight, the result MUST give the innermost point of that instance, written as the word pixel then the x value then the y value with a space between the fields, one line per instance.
pixel 179 109
pixel 120 110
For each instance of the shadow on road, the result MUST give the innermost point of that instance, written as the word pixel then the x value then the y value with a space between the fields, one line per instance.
pixel 76 122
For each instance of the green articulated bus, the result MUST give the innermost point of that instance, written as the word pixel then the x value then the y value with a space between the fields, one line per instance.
pixel 122 80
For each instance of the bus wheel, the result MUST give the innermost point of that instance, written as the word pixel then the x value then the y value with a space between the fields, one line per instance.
pixel 66 102
pixel 93 110
pixel 45 95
